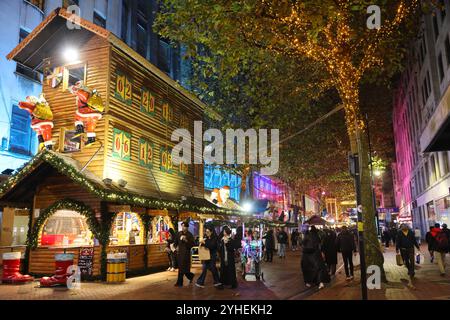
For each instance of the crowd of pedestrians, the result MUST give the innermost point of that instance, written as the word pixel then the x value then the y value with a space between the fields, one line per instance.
pixel 320 250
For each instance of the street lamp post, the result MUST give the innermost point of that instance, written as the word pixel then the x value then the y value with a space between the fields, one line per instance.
pixel 377 221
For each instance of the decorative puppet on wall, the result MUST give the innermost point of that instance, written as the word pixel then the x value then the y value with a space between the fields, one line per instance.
pixel 41 118
pixel 89 112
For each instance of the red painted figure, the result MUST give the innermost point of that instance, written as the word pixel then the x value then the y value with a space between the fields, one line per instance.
pixel 41 118
pixel 89 111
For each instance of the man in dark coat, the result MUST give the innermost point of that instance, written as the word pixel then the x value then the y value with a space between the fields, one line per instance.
pixel 405 243
pixel 430 241
pixel 386 237
pixel 270 245
pixel 227 249
pixel 345 244
pixel 282 238
pixel 313 266
pixel 330 251
pixel 184 241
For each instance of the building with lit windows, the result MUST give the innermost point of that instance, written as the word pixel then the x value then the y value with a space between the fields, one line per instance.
pixel 420 119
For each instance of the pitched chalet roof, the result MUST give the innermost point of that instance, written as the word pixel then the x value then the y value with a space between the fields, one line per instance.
pixel 18 185
pixel 53 34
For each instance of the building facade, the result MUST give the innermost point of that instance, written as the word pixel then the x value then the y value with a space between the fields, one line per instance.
pixel 421 173
pixel 128 19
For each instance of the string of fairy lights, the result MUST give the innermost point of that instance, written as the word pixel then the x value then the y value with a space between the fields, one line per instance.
pixel 292 29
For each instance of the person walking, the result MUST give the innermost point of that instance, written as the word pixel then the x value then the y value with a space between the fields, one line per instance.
pixel 211 243
pixel 447 232
pixel 430 242
pixel 387 237
pixel 441 243
pixel 270 245
pixel 394 233
pixel 184 241
pixel 345 244
pixel 294 240
pixel 404 244
pixel 313 266
pixel 227 248
pixel 171 250
pixel 329 249
pixel 282 238
pixel 418 235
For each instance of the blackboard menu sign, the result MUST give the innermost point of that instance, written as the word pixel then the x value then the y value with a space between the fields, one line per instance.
pixel 86 261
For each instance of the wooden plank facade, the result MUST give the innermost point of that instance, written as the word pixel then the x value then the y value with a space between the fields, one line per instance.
pixel 142 107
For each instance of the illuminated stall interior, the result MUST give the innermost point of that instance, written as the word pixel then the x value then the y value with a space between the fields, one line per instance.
pixel 66 228
pixel 127 229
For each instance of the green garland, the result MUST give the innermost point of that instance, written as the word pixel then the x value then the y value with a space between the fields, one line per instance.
pixel 119 197
pixel 65 204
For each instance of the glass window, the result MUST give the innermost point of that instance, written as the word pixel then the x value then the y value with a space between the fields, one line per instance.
pixel 142 37
pixel 66 228
pixel 447 50
pixel 99 20
pixel 435 27
pixel 23 70
pixel 20 131
pixel 164 56
pixel 440 67
pixel 445 160
pixel 20 227
pixel 127 229
pixel 125 19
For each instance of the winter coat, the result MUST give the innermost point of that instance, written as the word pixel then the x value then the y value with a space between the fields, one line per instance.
pixel 270 241
pixel 294 238
pixel 406 242
pixel 212 245
pixel 228 267
pixel 329 248
pixel 430 241
pixel 345 242
pixel 282 237
pixel 184 251
pixel 313 266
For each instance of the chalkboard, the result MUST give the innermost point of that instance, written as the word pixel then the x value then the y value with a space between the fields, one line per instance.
pixel 86 261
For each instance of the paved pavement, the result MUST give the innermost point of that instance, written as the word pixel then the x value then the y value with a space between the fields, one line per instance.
pixel 429 285
pixel 283 280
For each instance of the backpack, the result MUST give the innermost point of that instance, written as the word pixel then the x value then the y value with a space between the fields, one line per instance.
pixel 441 241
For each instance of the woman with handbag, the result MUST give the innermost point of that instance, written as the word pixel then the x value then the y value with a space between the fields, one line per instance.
pixel 210 242
pixel 313 265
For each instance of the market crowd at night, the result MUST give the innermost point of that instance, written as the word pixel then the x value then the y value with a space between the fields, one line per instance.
pixel 224 150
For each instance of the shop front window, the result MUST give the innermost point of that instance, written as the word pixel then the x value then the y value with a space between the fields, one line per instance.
pixel 159 231
pixel 127 229
pixel 66 228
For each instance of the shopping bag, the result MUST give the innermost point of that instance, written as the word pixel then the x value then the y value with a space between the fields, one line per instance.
pixel 399 259
pixel 418 258
pixel 203 253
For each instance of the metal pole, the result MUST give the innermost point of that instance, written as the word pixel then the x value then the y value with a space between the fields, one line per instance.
pixel 362 256
pixel 372 180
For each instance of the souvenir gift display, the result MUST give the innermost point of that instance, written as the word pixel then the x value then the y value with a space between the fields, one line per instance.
pixel 89 110
pixel 126 230
pixel 41 118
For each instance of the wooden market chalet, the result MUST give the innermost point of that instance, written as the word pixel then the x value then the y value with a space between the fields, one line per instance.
pixel 104 122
